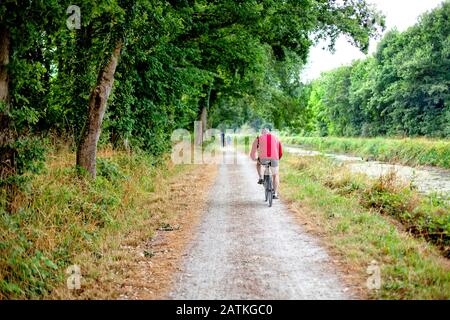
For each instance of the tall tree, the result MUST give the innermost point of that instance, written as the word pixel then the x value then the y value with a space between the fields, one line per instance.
pixel 7 136
pixel 87 145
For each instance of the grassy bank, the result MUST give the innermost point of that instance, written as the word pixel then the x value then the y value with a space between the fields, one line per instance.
pixel 64 220
pixel 410 151
pixel 362 220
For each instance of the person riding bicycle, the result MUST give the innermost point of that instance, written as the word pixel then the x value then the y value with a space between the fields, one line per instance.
pixel 269 149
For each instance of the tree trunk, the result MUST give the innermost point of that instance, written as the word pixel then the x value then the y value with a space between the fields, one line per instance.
pixel 203 119
pixel 6 154
pixel 201 127
pixel 4 60
pixel 87 146
pixel 205 112
pixel 7 135
pixel 198 133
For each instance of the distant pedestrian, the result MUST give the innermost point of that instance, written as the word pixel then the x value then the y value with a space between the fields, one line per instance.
pixel 222 138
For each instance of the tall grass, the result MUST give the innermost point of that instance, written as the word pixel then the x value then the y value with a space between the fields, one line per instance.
pixel 425 216
pixel 409 151
pixel 363 220
pixel 62 215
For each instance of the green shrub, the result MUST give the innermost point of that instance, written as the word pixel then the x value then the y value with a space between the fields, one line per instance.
pixel 108 169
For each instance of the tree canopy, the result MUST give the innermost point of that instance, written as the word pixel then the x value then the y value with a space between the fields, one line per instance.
pixel 136 70
pixel 402 90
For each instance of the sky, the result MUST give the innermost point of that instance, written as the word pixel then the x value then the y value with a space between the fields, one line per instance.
pixel 399 13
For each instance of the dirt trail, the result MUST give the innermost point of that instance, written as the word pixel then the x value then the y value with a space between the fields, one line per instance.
pixel 245 250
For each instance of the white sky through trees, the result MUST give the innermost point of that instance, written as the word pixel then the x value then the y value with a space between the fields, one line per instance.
pixel 400 14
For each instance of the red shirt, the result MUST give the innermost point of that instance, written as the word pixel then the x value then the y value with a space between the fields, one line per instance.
pixel 268 147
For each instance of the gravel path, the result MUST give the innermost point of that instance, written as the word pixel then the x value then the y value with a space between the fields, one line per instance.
pixel 245 250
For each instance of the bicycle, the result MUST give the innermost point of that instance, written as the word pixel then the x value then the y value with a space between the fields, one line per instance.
pixel 268 183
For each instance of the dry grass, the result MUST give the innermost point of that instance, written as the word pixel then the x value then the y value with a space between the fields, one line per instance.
pixel 139 264
pixel 100 225
pixel 142 266
pixel 351 273
pixel 326 201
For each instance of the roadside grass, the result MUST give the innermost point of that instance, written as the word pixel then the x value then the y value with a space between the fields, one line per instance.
pixel 360 221
pixel 63 219
pixel 408 151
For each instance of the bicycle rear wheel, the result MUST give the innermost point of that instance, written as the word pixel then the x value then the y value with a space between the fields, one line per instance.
pixel 266 187
pixel 270 198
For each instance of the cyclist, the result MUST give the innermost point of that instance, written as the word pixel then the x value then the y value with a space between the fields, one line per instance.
pixel 269 149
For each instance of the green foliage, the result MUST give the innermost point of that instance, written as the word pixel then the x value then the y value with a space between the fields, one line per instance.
pixel 65 215
pixel 177 58
pixel 109 170
pixel 421 217
pixel 401 91
pixel 29 155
